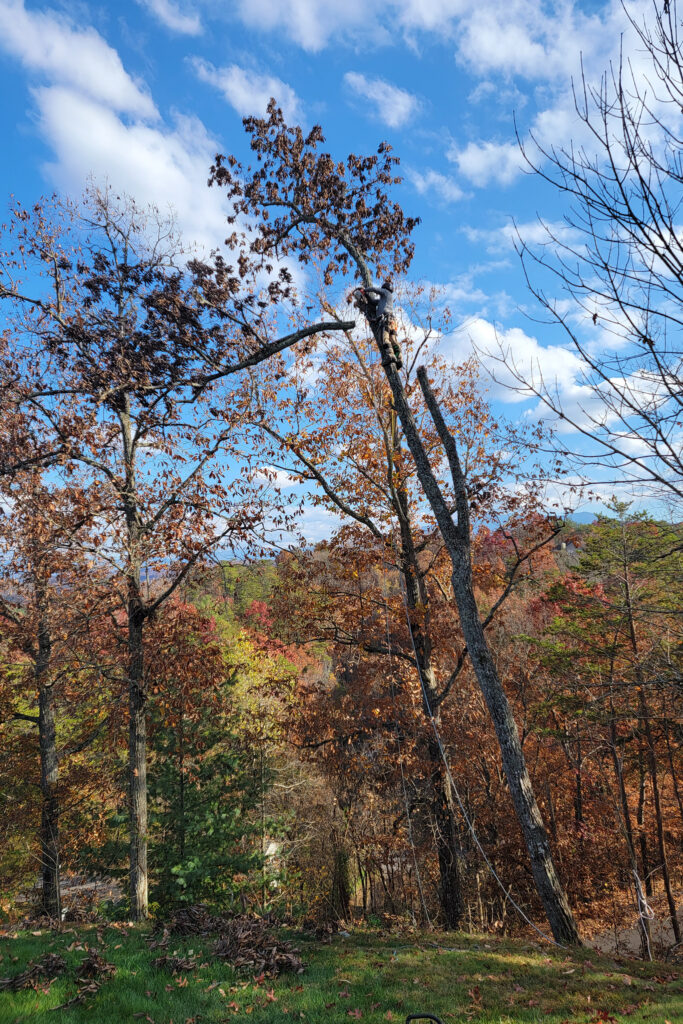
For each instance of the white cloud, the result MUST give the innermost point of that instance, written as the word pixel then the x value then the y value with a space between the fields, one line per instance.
pixel 317 523
pixel 279 478
pixel 45 42
pixel 534 233
pixel 556 366
pixel 394 106
pixel 312 23
pixel 249 92
pixel 170 15
pixel 484 162
pixel 140 160
pixel 520 37
pixel 432 181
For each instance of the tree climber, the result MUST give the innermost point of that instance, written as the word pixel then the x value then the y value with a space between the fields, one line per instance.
pixel 377 305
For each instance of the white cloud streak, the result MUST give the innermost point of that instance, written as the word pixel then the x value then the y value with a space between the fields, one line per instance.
pixel 393 106
pixel 169 14
pixel 247 91
pixel 433 181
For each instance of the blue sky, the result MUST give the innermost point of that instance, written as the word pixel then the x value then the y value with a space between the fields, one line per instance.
pixel 144 92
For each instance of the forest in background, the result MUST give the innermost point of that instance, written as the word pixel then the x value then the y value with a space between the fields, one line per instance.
pixel 289 768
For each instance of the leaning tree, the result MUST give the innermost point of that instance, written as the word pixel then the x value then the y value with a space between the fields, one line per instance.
pixel 303 205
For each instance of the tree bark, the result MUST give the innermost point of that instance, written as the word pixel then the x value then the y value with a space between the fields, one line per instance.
pixel 137 687
pixel 451 898
pixel 654 775
pixel 548 885
pixel 644 923
pixel 457 541
pixel 137 762
pixel 640 820
pixel 650 743
pixel 49 765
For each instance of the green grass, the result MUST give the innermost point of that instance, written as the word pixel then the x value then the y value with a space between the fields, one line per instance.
pixel 368 976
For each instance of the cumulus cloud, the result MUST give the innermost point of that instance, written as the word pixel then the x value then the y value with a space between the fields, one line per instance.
pixel 519 37
pixel 147 162
pixel 484 162
pixel 46 43
pixel 394 106
pixel 557 366
pixel 170 15
pixel 248 91
pixel 432 181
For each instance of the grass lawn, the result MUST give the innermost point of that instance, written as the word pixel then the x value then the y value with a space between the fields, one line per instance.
pixel 369 976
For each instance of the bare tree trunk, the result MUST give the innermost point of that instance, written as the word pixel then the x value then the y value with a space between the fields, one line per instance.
pixel 137 766
pixel 640 819
pixel 49 764
pixel 548 885
pixel 457 541
pixel 652 761
pixel 650 743
pixel 645 934
pixel 443 804
pixel 447 845
pixel 137 687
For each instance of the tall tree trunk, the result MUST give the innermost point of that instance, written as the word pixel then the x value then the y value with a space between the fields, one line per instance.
pixel 137 764
pixel 644 924
pixel 640 820
pixel 49 765
pixel 548 885
pixel 137 687
pixel 451 898
pixel 650 743
pixel 654 775
pixel 457 541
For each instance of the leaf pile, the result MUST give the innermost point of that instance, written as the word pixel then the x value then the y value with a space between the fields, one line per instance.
pixel 195 920
pixel 91 973
pixel 94 966
pixel 49 966
pixel 246 941
pixel 248 944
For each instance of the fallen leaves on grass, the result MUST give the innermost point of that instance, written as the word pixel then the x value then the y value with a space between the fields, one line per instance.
pixel 94 966
pixel 48 967
pixel 246 941
pixel 84 992
pixel 91 973
pixel 175 964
